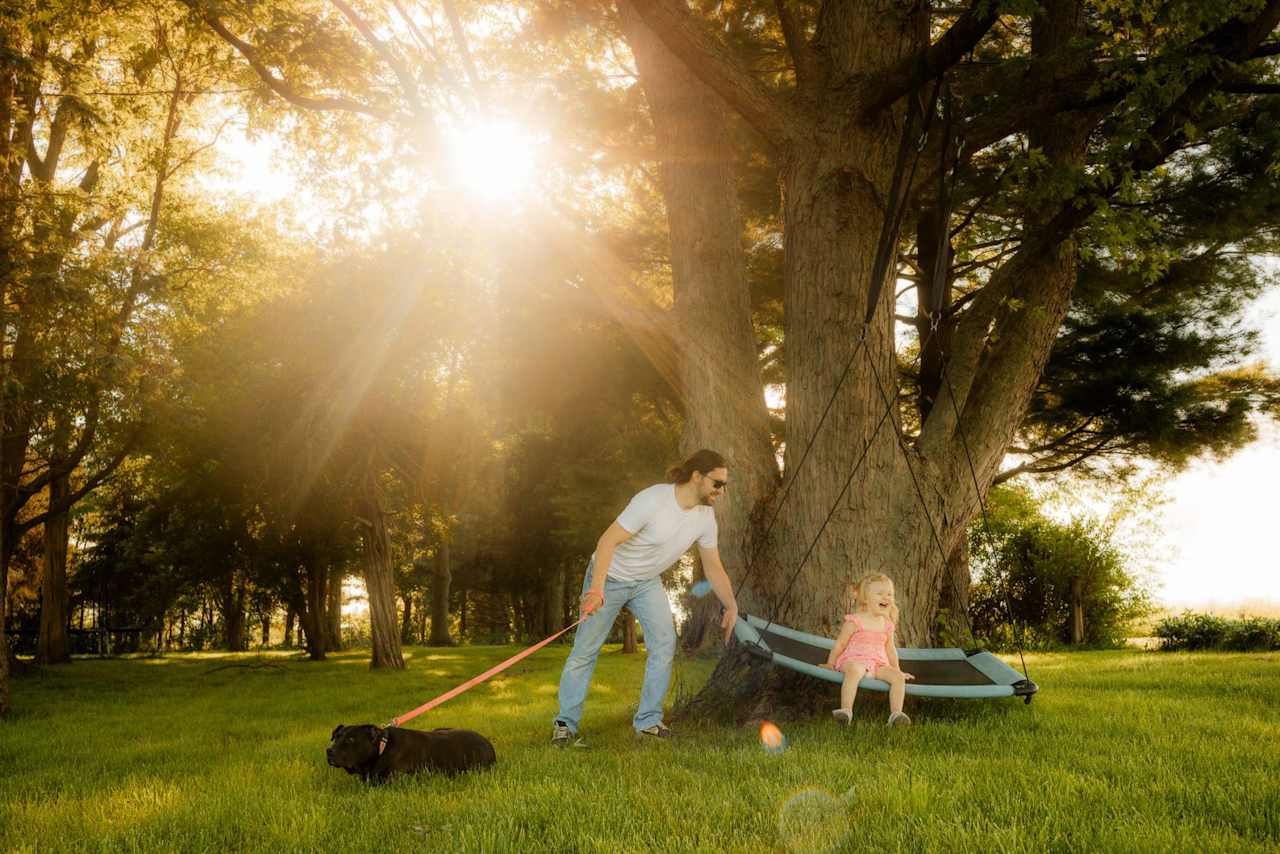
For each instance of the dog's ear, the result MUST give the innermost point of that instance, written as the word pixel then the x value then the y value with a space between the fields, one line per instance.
pixel 336 730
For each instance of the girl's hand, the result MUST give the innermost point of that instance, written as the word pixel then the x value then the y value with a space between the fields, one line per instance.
pixel 828 665
pixel 907 676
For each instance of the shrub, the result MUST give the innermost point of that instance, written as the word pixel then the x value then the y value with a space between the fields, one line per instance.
pixel 1190 631
pixel 1026 568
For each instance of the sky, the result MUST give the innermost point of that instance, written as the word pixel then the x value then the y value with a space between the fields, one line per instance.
pixel 1221 525
pixel 1212 543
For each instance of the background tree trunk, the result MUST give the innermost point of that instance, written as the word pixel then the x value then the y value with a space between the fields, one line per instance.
pixel 231 603
pixel 724 405
pixel 628 621
pixel 311 614
pixel 333 611
pixel 290 615
pixel 1077 610
pixel 378 578
pixel 441 575
pixel 406 620
pixel 52 647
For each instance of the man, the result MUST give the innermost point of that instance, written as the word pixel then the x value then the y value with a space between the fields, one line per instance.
pixel 656 528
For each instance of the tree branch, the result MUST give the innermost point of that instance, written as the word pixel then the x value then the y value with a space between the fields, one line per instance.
pixel 43 169
pixel 771 116
pixel 1243 88
pixel 276 84
pixel 889 85
pixel 802 56
pixel 407 82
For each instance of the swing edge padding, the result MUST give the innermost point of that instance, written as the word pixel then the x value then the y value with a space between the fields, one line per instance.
pixel 1007 682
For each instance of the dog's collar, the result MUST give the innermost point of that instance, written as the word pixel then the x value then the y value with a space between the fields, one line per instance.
pixel 382 740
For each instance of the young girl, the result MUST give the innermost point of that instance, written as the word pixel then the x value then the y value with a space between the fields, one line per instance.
pixel 865 645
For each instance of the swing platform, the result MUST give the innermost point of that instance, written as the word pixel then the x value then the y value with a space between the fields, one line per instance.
pixel 942 672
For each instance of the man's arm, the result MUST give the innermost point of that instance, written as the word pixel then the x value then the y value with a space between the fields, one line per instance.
pixel 714 570
pixel 613 536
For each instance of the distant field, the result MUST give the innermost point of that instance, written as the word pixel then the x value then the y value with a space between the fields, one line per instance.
pixel 1121 751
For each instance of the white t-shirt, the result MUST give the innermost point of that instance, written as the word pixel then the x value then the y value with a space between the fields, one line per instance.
pixel 661 531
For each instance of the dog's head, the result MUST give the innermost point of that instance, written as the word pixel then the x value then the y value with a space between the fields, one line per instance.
pixel 353 747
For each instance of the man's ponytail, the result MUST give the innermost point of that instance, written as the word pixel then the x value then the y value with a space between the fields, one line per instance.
pixel 702 462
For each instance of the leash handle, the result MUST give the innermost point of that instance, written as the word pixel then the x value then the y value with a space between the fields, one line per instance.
pixel 476 680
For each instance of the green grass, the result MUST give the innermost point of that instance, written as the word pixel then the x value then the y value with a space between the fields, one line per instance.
pixel 1121 751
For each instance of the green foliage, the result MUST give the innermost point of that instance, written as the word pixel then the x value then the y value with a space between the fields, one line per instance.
pixel 1189 631
pixel 1028 567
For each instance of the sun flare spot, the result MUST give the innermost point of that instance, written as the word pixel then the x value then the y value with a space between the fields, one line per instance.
pixel 493 160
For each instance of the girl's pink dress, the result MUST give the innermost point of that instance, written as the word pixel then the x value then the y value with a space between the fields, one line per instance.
pixel 865 646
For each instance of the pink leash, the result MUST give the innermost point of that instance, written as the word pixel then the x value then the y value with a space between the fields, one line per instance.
pixel 476 680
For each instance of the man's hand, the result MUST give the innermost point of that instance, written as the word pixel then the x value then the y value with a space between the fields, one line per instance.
pixel 591 601
pixel 727 622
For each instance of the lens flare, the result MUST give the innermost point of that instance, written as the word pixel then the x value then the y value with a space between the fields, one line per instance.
pixel 772 738
pixel 813 820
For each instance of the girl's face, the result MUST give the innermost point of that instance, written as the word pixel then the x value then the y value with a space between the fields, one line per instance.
pixel 879 597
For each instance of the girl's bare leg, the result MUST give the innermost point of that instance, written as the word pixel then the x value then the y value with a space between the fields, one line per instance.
pixel 897 686
pixel 852 671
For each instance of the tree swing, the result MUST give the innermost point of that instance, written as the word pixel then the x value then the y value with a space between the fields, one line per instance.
pixel 940 672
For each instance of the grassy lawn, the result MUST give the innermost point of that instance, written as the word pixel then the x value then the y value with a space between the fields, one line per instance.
pixel 1121 751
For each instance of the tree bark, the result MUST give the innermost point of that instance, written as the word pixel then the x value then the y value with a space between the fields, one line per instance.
pixel 629 645
pixel 406 620
pixel 441 575
pixel 955 627
pixel 52 647
pixel 311 614
pixel 1077 610
pixel 231 603
pixel 289 616
pixel 379 577
pixel 333 611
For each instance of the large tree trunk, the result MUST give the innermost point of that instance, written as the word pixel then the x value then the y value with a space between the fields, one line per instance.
pixel 379 577
pixel 441 575
pixel 719 374
pixel 53 647
pixel 954 625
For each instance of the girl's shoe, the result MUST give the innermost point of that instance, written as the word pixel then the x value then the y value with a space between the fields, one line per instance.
pixel 842 717
pixel 899 719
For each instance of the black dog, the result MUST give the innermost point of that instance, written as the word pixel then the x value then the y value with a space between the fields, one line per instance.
pixel 376 753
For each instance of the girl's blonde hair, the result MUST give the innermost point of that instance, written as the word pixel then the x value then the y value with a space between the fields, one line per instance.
pixel 860 586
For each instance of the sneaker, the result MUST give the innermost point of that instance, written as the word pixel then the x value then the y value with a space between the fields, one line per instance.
pixel 899 719
pixel 562 736
pixel 660 731
pixel 842 717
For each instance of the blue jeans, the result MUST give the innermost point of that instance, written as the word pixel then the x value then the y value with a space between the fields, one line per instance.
pixel 647 600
